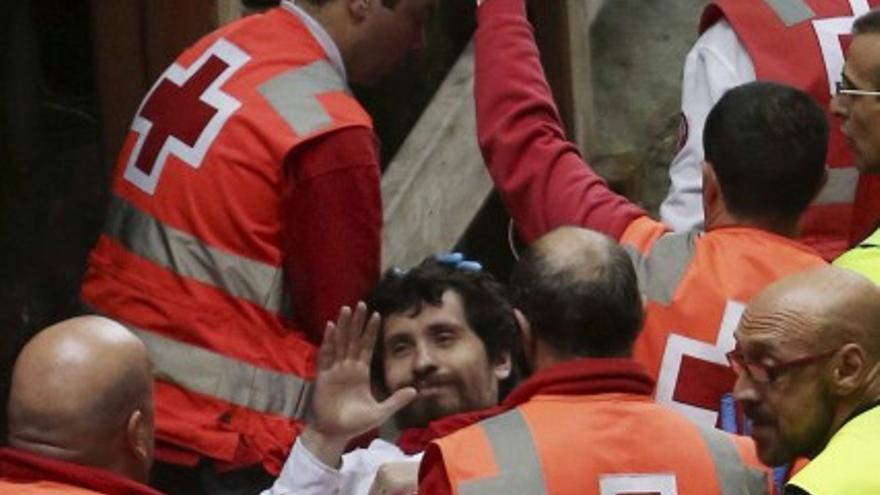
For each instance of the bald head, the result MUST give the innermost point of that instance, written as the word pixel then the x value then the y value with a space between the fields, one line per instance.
pixel 820 308
pixel 578 290
pixel 82 392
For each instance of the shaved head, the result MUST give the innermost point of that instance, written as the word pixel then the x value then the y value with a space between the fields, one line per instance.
pixel 811 344
pixel 821 308
pixel 82 392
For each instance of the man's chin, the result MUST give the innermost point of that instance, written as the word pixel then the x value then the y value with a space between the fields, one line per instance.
pixel 422 411
pixel 769 449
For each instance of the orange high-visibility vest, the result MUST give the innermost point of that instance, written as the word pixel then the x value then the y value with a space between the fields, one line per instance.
pixel 606 444
pixel 819 31
pixel 42 488
pixel 695 288
pixel 191 255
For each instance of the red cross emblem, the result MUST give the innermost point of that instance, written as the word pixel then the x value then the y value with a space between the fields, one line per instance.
pixel 694 375
pixel 183 114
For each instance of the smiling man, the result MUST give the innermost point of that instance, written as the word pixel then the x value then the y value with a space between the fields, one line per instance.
pixel 444 344
pixel 858 103
pixel 808 365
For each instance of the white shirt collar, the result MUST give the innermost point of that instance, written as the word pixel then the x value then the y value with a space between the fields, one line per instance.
pixel 320 34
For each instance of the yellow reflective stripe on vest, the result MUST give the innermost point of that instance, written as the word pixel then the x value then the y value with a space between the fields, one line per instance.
pixel 791 12
pixel 734 476
pixel 519 467
pixel 186 255
pixel 292 95
pixel 661 271
pixel 221 377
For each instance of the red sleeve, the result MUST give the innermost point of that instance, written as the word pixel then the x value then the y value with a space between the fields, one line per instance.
pixel 542 178
pixel 432 473
pixel 331 221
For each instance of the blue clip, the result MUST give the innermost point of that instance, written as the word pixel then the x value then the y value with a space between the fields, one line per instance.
pixel 456 260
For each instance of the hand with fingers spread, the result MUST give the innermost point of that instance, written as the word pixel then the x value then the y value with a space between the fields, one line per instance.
pixel 343 405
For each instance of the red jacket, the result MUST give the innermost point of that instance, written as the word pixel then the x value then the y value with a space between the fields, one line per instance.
pixel 849 205
pixel 246 141
pixel 23 473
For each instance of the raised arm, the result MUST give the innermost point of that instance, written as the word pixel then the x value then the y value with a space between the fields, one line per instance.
pixel 543 179
pixel 342 406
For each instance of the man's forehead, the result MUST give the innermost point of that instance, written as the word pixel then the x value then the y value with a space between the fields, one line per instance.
pixel 768 328
pixel 863 59
pixel 449 311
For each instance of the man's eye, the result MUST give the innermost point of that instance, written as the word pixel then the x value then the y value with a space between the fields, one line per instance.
pixel 398 349
pixel 445 338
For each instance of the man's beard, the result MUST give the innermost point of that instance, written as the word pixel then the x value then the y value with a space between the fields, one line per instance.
pixel 420 412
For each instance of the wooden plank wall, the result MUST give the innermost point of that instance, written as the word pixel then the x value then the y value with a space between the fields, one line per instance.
pixel 135 40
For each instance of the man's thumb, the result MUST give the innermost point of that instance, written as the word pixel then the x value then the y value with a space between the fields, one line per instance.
pixel 398 400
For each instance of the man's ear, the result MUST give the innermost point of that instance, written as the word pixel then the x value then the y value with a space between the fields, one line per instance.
pixel 503 366
pixel 525 336
pixel 711 189
pixel 138 435
pixel 361 9
pixel 713 198
pixel 849 369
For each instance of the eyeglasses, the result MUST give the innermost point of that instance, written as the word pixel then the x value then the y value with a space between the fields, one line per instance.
pixel 842 88
pixel 763 374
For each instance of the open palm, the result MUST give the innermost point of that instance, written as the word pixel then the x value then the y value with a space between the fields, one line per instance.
pixel 343 405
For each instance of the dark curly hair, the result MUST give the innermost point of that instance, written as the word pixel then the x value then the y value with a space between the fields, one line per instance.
pixel 486 306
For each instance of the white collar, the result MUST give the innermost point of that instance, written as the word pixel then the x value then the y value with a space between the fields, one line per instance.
pixel 320 34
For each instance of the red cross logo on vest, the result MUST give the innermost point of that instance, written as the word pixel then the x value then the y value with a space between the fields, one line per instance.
pixel 834 35
pixel 183 114
pixel 694 375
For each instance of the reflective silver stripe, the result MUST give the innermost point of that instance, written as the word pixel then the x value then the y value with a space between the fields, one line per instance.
pixel 180 252
pixel 734 476
pixel 660 273
pixel 293 95
pixel 841 186
pixel 221 377
pixel 519 467
pixel 791 12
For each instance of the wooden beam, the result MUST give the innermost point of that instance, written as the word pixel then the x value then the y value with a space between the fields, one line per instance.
pixel 228 11
pixel 562 30
pixel 437 181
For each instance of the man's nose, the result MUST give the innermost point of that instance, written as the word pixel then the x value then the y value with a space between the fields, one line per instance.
pixel 424 362
pixel 744 389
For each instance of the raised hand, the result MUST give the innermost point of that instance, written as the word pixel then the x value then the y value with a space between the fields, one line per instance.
pixel 343 405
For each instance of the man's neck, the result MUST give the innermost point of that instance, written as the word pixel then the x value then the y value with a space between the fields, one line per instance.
pixel 722 219
pixel 329 16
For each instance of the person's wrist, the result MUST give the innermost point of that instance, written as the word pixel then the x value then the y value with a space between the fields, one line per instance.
pixel 326 448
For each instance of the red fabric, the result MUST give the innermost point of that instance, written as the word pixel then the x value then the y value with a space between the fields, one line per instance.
pixel 579 377
pixel 23 467
pixel 414 440
pixel 584 377
pixel 830 228
pixel 543 179
pixel 254 194
pixel 331 218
